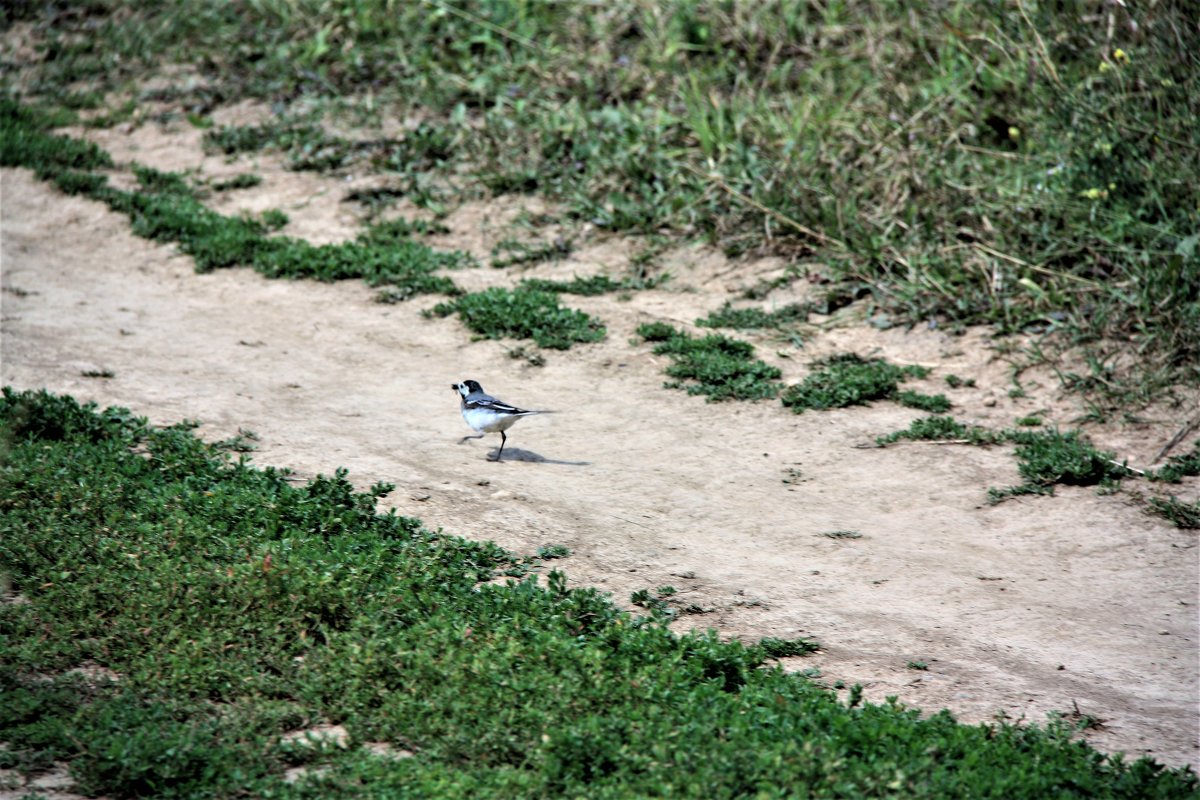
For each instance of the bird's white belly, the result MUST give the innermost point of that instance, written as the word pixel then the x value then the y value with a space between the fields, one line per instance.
pixel 488 421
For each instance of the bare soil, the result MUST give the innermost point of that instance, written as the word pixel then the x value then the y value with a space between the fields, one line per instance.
pixel 1079 601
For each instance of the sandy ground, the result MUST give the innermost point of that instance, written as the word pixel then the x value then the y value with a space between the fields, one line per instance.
pixel 1077 601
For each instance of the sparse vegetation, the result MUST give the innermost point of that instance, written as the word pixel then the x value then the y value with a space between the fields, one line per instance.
pixel 523 314
pixel 849 380
pixel 715 366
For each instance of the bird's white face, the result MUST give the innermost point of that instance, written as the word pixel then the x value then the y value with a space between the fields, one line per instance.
pixel 466 387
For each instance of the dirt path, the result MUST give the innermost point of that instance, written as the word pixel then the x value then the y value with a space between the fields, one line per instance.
pixel 1029 607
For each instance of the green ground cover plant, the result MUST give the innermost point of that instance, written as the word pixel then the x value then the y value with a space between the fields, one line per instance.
pixel 849 380
pixel 754 318
pixel 715 366
pixel 233 607
pixel 522 313
pixel 1046 457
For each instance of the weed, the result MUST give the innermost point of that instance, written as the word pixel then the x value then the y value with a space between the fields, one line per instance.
pixel 246 180
pixel 1046 458
pixel 847 380
pixel 1178 467
pixel 754 318
pixel 530 357
pixel 523 314
pixel 943 429
pixel 842 534
pixel 552 551
pixel 1179 513
pixel 935 404
pixel 1029 422
pixel 715 366
pixel 401 229
pixel 917 665
pixel 518 252
pixel 955 382
pixel 98 373
pixel 785 648
pixel 593 285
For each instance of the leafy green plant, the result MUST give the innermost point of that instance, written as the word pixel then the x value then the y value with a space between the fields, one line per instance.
pixel 784 648
pixel 715 366
pixel 1046 458
pixel 592 285
pixel 943 428
pixel 848 379
pixel 1179 513
pixel 239 609
pixel 523 313
pixel 753 318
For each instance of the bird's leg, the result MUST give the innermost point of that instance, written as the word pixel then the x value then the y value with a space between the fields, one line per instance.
pixel 503 439
pixel 479 436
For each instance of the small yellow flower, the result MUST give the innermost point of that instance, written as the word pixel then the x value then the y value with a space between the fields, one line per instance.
pixel 1105 66
pixel 1094 194
pixel 1014 132
pixel 1120 56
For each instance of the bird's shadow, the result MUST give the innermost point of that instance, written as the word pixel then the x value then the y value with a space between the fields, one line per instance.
pixel 517 454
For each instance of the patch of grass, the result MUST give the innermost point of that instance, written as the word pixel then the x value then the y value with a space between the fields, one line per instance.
pixel 715 366
pixel 25 142
pixel 1178 467
pixel 523 313
pixel 848 380
pixel 1179 513
pixel 1049 457
pixel 306 145
pixel 785 648
pixel 593 285
pixel 1029 422
pixel 934 404
pixel 754 318
pixel 942 428
pixel 955 382
pixel 917 665
pixel 551 551
pixel 401 229
pixel 246 180
pixel 517 252
pixel 238 607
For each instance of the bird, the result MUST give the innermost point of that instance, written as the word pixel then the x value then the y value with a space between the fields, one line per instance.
pixel 487 414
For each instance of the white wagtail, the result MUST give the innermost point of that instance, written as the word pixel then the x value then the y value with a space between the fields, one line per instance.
pixel 486 414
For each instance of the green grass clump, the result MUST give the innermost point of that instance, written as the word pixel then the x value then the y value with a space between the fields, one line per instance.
pixel 246 180
pixel 934 404
pixel 236 607
pixel 943 428
pixel 1178 467
pixel 754 318
pixel 24 142
pixel 1050 457
pixel 592 285
pixel 848 380
pixel 1179 513
pixel 516 252
pixel 715 366
pixel 307 146
pixel 523 313
pixel 784 648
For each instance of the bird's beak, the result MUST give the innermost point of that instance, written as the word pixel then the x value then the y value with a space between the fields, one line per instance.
pixel 454 386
